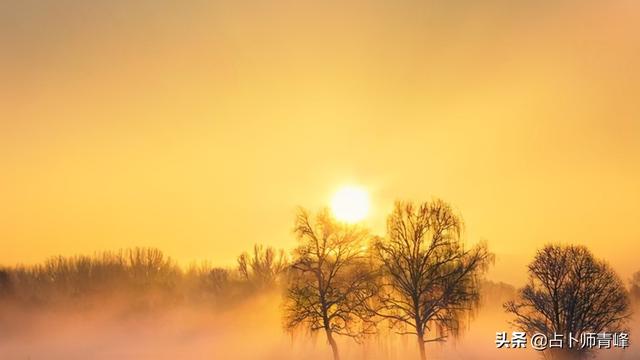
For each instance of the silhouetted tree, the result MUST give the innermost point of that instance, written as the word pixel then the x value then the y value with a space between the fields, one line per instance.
pixel 263 267
pixel 329 279
pixel 150 267
pixel 569 293
pixel 428 277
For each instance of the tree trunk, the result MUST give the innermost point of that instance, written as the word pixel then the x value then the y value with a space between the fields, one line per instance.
pixel 423 354
pixel 334 346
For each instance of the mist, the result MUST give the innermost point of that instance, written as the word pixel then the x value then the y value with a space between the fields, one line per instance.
pixel 166 312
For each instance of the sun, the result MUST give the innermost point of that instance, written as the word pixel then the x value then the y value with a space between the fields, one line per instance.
pixel 350 204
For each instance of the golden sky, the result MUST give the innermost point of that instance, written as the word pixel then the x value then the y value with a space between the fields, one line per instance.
pixel 198 127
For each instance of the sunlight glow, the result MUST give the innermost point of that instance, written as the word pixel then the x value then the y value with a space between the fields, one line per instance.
pixel 350 204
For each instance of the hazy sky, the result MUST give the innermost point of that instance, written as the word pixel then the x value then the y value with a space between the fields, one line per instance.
pixel 198 127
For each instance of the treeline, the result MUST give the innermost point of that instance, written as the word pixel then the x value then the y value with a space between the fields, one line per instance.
pixel 143 276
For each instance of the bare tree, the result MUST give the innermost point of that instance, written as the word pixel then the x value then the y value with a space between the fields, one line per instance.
pixel 150 267
pixel 263 267
pixel 569 293
pixel 428 277
pixel 330 280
